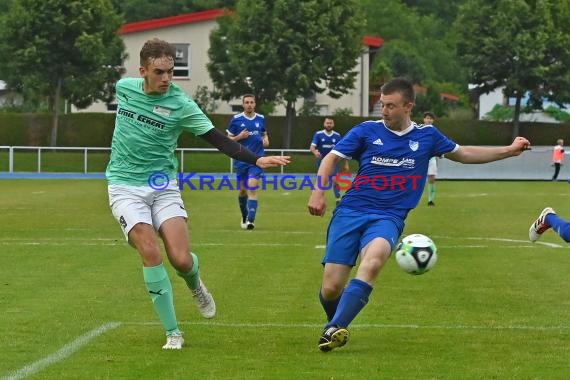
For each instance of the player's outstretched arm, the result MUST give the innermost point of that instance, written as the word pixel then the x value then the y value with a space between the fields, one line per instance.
pixel 238 152
pixel 272 161
pixel 482 154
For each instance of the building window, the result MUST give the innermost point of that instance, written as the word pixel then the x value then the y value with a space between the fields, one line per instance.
pixel 323 109
pixel 237 108
pixel 182 61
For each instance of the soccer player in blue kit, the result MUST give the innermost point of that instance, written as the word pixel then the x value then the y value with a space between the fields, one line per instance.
pixel 322 143
pixel 393 155
pixel 248 128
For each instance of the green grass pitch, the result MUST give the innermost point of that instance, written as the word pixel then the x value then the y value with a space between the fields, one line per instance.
pixel 73 303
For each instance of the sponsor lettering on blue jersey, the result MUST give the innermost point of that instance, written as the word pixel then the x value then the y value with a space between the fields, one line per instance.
pixel 392 165
pixel 255 127
pixel 325 141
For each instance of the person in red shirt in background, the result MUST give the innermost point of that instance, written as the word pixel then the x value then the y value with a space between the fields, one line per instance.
pixel 557 157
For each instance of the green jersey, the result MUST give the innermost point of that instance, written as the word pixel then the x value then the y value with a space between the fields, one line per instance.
pixel 147 128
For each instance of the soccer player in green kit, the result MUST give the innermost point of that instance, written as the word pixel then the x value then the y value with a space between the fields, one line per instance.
pixel 152 112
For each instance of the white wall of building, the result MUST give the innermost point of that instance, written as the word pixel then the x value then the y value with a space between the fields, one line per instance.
pixel 197 35
pixel 488 101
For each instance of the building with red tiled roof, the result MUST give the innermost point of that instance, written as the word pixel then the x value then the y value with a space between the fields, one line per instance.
pixel 190 33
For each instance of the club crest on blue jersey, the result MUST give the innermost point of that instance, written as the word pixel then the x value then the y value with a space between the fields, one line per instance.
pixel 414 145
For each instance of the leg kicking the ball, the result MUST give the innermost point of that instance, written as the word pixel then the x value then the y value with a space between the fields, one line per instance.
pixel 143 193
pixel 393 156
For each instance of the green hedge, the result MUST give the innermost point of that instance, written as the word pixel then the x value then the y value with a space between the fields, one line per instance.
pixel 96 130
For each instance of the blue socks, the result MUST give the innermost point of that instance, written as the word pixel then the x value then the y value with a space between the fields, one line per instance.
pixel 336 190
pixel 251 209
pixel 353 299
pixel 243 207
pixel 248 208
pixel 329 306
pixel 559 225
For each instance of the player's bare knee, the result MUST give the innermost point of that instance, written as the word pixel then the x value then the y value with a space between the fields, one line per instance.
pixel 331 291
pixel 181 260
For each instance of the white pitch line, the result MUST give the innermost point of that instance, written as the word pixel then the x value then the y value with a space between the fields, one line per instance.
pixel 62 353
pixel 526 242
pixel 60 244
pixel 198 244
pixel 363 325
pixel 117 242
pixel 520 243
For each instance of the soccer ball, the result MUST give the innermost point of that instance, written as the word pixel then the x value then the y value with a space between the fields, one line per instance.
pixel 416 254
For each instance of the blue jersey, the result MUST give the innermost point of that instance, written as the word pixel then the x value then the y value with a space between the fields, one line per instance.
pixel 392 166
pixel 256 129
pixel 325 141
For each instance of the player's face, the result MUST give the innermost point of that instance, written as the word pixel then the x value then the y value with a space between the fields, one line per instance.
pixel 428 120
pixel 248 105
pixel 328 124
pixel 395 111
pixel 157 75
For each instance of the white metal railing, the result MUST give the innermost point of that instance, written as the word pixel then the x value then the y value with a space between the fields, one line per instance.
pixel 531 165
pixel 40 149
pixel 86 150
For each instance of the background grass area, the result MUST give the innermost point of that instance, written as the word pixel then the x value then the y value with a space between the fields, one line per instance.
pixel 494 306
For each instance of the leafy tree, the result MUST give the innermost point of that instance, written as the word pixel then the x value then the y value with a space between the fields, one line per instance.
pixel 310 107
pixel 418 44
pixel 283 50
pixel 558 114
pixel 340 112
pixel 205 99
pixel 499 113
pixel 444 10
pixel 430 101
pixel 523 45
pixel 5 5
pixel 61 49
pixel 404 60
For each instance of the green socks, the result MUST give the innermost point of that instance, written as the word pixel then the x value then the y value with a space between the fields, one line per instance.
pixel 160 291
pixel 192 278
pixel 431 192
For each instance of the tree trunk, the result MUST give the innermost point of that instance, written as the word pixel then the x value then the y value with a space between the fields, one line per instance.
pixel 517 114
pixel 289 120
pixel 55 114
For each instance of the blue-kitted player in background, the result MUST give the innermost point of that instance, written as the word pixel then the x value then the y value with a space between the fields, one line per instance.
pixel 322 143
pixel 248 128
pixel 393 155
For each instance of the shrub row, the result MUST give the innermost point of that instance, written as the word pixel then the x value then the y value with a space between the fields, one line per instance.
pixel 96 130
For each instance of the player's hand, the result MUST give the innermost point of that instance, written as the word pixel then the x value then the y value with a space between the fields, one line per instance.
pixel 519 145
pixel 244 134
pixel 317 203
pixel 272 161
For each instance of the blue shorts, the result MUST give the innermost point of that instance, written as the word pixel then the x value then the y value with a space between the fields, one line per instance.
pixel 350 230
pixel 247 170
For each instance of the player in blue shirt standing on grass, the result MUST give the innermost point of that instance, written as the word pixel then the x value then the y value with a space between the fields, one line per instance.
pixel 248 128
pixel 393 155
pixel 322 143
